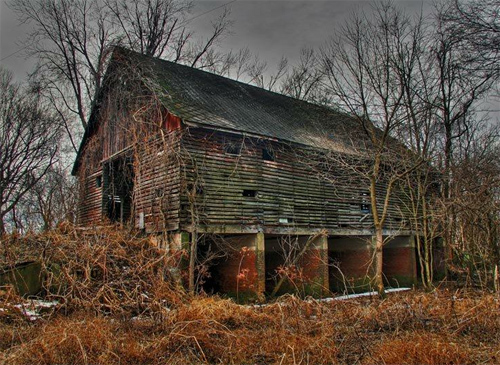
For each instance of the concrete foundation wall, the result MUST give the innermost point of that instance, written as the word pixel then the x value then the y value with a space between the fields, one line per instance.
pixel 350 260
pixel 256 262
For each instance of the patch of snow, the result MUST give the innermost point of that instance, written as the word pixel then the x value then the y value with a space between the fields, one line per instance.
pixel 32 308
pixel 342 297
pixel 366 294
pixel 44 303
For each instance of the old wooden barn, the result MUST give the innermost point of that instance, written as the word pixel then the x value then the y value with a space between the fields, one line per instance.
pixel 187 155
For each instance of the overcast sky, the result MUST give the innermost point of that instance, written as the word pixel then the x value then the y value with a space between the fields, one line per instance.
pixel 269 28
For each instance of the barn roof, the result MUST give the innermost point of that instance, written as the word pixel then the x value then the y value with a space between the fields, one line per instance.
pixel 205 99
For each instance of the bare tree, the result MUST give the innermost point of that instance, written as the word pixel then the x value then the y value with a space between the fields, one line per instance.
pixel 460 78
pixel 51 201
pixel 477 23
pixel 304 79
pixel 28 143
pixel 475 202
pixel 361 76
pixel 149 26
pixel 71 40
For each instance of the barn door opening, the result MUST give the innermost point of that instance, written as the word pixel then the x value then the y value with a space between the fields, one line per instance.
pixel 118 187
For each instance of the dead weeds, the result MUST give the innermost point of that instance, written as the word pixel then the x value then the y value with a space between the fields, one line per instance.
pixel 119 304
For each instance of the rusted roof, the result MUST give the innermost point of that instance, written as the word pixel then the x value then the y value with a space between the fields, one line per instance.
pixel 217 102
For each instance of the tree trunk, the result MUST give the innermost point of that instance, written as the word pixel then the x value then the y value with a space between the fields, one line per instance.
pixel 192 261
pixel 378 262
pixel 2 226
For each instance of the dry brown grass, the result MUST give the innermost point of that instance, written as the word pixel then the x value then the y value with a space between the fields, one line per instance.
pixel 93 327
pixel 411 328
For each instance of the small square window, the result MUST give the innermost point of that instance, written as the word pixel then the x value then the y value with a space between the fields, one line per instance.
pixel 250 193
pixel 98 181
pixel 267 154
pixel 198 189
pixel 232 149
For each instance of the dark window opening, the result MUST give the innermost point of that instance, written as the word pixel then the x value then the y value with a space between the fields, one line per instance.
pixel 365 208
pixel 232 149
pixel 267 155
pixel 118 184
pixel 250 193
pixel 98 181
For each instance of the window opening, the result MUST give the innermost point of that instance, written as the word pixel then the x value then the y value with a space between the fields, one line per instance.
pixel 365 202
pixel 232 149
pixel 250 193
pixel 268 155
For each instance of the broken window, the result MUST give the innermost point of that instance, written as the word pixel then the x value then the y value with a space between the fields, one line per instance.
pixel 250 193
pixel 198 188
pixel 232 149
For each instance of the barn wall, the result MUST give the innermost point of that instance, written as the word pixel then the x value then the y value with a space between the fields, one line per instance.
pixel 90 208
pixel 247 191
pixel 90 194
pixel 157 183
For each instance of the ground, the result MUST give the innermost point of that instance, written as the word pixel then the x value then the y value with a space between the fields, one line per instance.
pixel 443 327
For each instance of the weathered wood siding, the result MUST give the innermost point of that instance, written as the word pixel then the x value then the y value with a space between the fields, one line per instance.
pixel 90 208
pixel 157 182
pixel 289 193
pixel 90 194
pixel 128 120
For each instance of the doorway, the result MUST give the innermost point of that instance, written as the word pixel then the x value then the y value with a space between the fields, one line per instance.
pixel 118 176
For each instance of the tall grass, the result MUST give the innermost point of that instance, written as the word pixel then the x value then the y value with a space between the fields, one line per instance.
pixel 104 318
